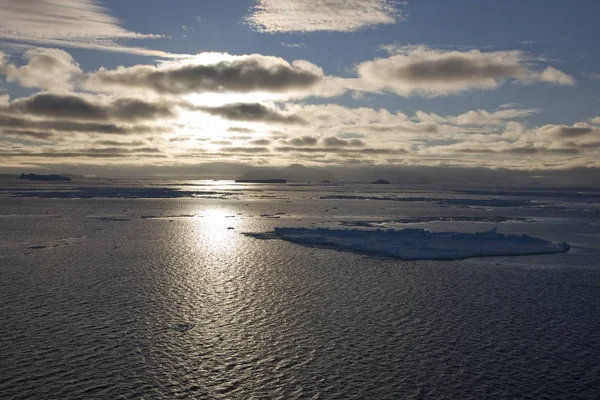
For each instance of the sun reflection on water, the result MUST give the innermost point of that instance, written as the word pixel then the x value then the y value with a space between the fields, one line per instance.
pixel 218 230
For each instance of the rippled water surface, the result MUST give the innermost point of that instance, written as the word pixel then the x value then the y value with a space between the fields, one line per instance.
pixel 92 290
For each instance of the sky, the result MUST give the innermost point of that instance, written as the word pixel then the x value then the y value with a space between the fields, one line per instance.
pixel 154 85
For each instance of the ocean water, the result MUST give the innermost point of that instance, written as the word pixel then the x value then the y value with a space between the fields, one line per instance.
pixel 91 290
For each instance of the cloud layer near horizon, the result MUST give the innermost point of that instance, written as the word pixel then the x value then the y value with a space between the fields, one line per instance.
pixel 129 114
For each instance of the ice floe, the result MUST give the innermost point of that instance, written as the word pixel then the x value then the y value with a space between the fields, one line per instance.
pixel 440 201
pixel 419 220
pixel 419 244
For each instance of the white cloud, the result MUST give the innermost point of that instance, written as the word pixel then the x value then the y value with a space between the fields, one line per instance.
pixel 293 45
pixel 552 75
pixel 60 19
pixel 68 23
pixel 485 118
pixel 322 15
pixel 45 68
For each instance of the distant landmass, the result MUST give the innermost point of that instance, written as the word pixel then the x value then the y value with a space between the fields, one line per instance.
pixel 261 181
pixel 51 177
pixel 381 182
pixel 294 173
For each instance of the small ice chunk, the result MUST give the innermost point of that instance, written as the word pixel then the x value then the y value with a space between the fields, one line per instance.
pixel 183 326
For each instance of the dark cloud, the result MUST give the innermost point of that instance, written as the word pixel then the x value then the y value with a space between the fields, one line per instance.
pixel 14 124
pixel 251 150
pixel 567 132
pixel 260 142
pixel 115 143
pixel 408 128
pixel 303 141
pixel 244 74
pixel 237 129
pixel 78 107
pixel 29 134
pixel 251 112
pixel 520 150
pixel 454 67
pixel 335 150
pixel 87 153
pixel 333 141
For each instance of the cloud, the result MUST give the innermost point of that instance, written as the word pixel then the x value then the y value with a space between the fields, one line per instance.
pixel 238 129
pixel 211 72
pixel 578 134
pixel 552 75
pixel 27 134
pixel 78 107
pixel 318 15
pixel 68 23
pixel 303 141
pixel 343 151
pixel 423 71
pixel 293 45
pixel 85 153
pixel 60 19
pixel 592 75
pixel 16 123
pixel 45 68
pixel 115 143
pixel 252 113
pixel 333 141
pixel 251 150
pixel 509 146
pixel 260 142
pixel 480 117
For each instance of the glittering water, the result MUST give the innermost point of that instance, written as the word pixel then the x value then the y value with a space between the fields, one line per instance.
pixel 166 298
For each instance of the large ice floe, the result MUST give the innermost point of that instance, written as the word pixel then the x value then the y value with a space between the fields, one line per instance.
pixel 421 244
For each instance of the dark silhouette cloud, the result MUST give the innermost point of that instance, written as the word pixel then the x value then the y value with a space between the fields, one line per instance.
pixel 251 112
pixel 80 108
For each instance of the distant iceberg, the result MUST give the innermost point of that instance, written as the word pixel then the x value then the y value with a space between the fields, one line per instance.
pixel 421 244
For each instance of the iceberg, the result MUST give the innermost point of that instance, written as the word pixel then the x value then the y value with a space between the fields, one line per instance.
pixel 421 244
